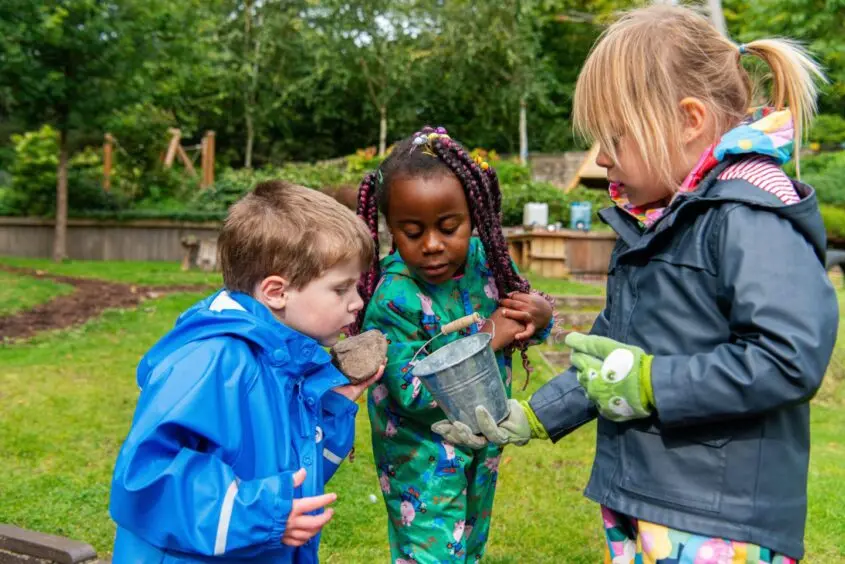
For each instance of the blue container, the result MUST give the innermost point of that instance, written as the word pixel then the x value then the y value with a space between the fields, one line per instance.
pixel 580 214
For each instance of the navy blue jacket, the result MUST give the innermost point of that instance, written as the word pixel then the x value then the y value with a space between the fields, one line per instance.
pixel 729 292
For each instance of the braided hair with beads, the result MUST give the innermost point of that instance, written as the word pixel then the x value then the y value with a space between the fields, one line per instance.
pixel 427 153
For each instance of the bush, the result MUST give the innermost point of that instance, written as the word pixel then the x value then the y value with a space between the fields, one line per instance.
pixel 233 184
pixel 515 196
pixel 828 130
pixel 826 173
pixel 34 174
pixel 510 172
pixel 365 160
pixel 834 222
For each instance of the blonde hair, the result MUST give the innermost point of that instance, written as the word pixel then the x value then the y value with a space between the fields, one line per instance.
pixel 291 231
pixel 649 60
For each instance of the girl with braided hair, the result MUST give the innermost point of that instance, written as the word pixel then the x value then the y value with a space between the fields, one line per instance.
pixel 433 194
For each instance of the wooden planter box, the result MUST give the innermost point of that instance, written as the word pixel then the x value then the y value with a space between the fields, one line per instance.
pixel 558 254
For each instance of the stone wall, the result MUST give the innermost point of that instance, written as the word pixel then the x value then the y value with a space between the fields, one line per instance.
pixel 557 168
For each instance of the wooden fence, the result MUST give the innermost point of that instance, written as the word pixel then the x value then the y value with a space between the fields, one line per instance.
pixel 88 239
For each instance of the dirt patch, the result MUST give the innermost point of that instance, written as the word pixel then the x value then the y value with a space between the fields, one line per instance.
pixel 89 299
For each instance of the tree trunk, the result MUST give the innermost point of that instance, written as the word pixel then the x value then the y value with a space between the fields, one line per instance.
pixel 250 139
pixel 523 131
pixel 60 236
pixel 251 57
pixel 382 133
pixel 717 16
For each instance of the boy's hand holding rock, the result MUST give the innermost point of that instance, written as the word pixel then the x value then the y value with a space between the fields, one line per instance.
pixel 361 359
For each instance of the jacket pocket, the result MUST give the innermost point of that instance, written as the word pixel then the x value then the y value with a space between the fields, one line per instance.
pixel 681 471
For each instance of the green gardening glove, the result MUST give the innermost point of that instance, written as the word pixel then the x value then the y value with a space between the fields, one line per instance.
pixel 520 426
pixel 617 377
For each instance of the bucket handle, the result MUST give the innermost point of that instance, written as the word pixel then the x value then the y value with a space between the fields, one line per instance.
pixel 452 327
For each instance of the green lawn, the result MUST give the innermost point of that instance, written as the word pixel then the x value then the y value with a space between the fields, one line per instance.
pixel 67 400
pixel 18 293
pixel 163 273
pixel 562 286
pixel 143 273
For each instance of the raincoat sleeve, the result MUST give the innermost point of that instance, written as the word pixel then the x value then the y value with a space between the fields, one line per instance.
pixel 561 405
pixel 783 316
pixel 405 336
pixel 173 485
pixel 339 431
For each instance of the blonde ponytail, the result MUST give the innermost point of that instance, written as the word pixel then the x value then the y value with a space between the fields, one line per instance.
pixel 794 76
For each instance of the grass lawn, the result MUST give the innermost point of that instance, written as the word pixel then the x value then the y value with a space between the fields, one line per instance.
pixel 562 287
pixel 67 400
pixel 143 273
pixel 18 293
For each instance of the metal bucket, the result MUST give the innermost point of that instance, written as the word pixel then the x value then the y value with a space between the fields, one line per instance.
pixel 462 375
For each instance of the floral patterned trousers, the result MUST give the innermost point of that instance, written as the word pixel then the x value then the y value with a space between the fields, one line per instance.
pixel 633 541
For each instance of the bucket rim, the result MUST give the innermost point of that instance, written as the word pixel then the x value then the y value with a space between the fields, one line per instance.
pixel 419 370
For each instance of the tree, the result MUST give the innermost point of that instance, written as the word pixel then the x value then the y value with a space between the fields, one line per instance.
pixel 816 23
pixel 70 63
pixel 385 39
pixel 267 58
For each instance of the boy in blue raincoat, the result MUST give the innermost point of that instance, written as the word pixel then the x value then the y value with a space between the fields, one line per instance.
pixel 242 419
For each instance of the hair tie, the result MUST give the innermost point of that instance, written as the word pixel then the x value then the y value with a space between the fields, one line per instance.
pixel 743 49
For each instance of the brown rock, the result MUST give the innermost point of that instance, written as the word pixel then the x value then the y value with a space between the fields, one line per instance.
pixel 359 357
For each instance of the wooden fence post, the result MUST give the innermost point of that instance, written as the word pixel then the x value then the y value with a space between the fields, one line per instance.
pixel 175 137
pixel 107 161
pixel 207 179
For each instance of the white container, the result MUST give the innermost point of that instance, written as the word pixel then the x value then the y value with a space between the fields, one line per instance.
pixel 535 214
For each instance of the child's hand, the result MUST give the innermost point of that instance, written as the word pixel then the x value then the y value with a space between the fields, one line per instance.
pixel 532 310
pixel 301 527
pixel 353 391
pixel 616 376
pixel 504 330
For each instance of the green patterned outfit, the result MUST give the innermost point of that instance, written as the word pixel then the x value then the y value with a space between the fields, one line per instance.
pixel 439 496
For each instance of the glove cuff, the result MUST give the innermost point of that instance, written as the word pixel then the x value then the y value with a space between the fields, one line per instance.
pixel 537 429
pixel 646 391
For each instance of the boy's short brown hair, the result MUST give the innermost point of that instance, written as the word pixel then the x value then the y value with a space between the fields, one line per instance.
pixel 288 230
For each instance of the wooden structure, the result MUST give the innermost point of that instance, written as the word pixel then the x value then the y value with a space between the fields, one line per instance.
pixel 108 147
pixel 30 547
pixel 207 160
pixel 589 173
pixel 199 253
pixel 92 239
pixel 563 253
pixel 174 149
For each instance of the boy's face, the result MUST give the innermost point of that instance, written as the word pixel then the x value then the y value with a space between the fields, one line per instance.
pixel 323 307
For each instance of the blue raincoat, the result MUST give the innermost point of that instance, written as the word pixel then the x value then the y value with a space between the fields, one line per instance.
pixel 232 404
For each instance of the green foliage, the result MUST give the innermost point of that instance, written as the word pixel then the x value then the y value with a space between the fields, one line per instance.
pixel 233 184
pixel 818 24
pixel 365 160
pixel 825 172
pixel 834 222
pixel 828 130
pixel 515 196
pixel 511 172
pixel 34 169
